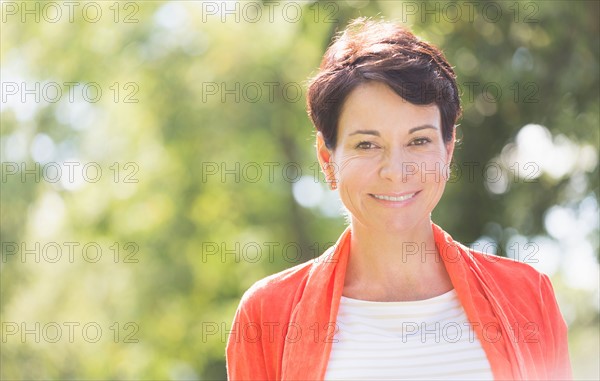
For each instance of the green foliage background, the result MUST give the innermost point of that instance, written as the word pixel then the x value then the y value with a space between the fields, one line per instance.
pixel 177 212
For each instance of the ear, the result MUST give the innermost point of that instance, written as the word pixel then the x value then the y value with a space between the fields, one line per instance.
pixel 325 157
pixel 450 146
pixel 449 152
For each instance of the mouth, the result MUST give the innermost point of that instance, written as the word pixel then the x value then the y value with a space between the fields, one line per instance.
pixel 399 198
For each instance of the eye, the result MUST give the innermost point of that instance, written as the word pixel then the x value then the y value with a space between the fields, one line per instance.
pixel 420 141
pixel 364 145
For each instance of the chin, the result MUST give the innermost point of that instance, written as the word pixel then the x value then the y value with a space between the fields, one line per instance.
pixel 391 223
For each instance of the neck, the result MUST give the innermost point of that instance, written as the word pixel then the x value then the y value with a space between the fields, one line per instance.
pixel 395 266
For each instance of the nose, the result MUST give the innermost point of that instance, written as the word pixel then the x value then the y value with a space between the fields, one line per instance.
pixel 396 165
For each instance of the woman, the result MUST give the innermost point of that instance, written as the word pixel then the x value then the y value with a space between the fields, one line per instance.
pixel 396 297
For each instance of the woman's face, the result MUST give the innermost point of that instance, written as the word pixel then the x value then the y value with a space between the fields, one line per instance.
pixel 390 163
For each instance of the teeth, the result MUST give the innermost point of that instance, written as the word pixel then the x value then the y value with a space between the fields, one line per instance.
pixel 388 198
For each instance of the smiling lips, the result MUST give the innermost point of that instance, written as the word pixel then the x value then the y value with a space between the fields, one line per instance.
pixel 400 198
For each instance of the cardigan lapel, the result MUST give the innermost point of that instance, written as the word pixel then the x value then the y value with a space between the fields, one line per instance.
pixel 313 320
pixel 480 305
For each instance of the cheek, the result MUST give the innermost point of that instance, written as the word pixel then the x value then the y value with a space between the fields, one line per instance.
pixel 358 168
pixel 438 153
pixel 434 167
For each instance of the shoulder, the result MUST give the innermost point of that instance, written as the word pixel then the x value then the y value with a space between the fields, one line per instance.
pixel 516 278
pixel 494 268
pixel 496 264
pixel 276 294
pixel 528 297
pixel 279 284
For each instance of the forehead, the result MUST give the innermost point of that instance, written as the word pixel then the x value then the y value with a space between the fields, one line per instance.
pixel 377 106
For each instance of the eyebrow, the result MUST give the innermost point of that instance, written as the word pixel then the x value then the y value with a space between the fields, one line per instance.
pixel 376 133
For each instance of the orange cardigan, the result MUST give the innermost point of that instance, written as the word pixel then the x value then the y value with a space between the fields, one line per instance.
pixel 284 325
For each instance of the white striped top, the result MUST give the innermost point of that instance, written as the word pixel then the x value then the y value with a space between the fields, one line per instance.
pixel 427 339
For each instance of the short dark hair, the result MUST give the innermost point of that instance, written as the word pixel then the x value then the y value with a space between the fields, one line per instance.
pixel 369 50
